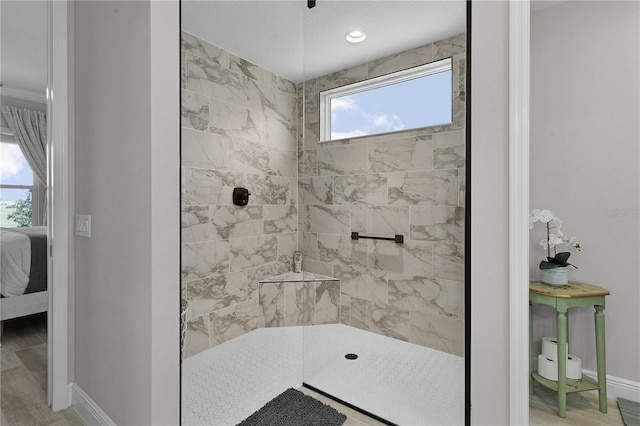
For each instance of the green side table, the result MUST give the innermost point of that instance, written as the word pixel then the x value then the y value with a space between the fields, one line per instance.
pixel 562 299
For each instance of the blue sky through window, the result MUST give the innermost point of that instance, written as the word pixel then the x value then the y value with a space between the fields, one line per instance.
pixel 420 102
pixel 14 170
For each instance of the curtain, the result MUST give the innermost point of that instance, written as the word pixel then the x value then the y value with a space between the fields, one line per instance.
pixel 29 129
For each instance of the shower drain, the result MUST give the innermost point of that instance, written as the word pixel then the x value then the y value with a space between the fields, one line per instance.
pixel 351 356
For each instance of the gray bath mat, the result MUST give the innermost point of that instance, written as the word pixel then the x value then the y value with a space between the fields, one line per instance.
pixel 630 411
pixel 294 408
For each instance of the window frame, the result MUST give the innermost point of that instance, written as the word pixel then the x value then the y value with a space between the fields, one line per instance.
pixel 326 96
pixel 36 217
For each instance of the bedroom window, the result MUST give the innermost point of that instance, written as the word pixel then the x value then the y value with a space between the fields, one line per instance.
pixel 16 185
pixel 409 99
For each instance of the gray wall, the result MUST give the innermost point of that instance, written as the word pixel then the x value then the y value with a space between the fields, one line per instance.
pixel 126 177
pixel 585 111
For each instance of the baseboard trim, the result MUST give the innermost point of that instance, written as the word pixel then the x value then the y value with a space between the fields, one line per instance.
pixel 618 387
pixel 87 409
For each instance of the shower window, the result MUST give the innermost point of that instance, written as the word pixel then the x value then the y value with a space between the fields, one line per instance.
pixel 409 99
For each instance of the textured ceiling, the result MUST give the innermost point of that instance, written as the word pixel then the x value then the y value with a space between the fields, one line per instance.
pixel 298 43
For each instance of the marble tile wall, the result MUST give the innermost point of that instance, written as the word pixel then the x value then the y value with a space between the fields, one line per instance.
pixel 409 183
pixel 239 128
pixel 244 126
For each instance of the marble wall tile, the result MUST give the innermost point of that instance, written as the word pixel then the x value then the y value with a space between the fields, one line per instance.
pixel 235 122
pixel 380 318
pixel 362 283
pixel 368 189
pixel 196 337
pixel 459 111
pixel 272 311
pixel 437 223
pixel 411 58
pixel 236 222
pixel 201 260
pixel 204 150
pixel 412 293
pixel 404 154
pixel 327 302
pixel 207 186
pixel 268 270
pixel 280 218
pixel 438 332
pixel 345 303
pixel 308 163
pixel 194 224
pixel 448 261
pixel 299 303
pixel 449 47
pixel 343 160
pixel 450 150
pixel 287 244
pixel 342 78
pixel 202 49
pixel 250 70
pixel 462 187
pixel 316 190
pixel 210 79
pixel 195 111
pixel 250 157
pixel 327 219
pixel 310 245
pixel 283 84
pixel 311 134
pixel 214 293
pixel 428 188
pixel 233 321
pixel 271 101
pixel 268 189
pixel 281 133
pixel 317 267
pixel 383 221
pixel 249 252
pixel 334 249
pixel 411 258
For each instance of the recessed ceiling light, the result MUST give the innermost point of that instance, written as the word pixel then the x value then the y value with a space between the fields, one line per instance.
pixel 356 36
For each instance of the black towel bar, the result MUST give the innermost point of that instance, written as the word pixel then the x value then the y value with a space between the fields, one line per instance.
pixel 399 239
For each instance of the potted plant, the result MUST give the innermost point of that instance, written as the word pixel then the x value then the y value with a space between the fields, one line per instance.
pixel 554 270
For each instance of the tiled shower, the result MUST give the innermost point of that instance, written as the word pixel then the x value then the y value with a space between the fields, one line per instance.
pixel 243 126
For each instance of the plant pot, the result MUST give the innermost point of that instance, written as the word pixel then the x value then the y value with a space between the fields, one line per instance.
pixel 556 276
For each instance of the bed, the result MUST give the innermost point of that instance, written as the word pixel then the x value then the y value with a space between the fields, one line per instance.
pixel 23 271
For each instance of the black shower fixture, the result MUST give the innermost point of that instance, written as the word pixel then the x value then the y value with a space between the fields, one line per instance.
pixel 311 4
pixel 241 196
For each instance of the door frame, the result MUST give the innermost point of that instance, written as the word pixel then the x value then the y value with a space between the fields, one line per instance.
pixel 58 196
pixel 519 57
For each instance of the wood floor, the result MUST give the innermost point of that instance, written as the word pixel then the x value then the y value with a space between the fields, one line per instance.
pixel 23 376
pixel 23 386
pixel 582 409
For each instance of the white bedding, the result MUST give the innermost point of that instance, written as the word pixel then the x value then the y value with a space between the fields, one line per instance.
pixel 15 261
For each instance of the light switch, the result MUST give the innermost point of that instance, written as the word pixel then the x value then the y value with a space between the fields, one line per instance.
pixel 83 225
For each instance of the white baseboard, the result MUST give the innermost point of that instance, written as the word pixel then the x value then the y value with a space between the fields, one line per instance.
pixel 618 388
pixel 90 413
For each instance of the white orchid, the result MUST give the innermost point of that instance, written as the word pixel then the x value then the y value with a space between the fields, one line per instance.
pixel 546 216
pixel 554 239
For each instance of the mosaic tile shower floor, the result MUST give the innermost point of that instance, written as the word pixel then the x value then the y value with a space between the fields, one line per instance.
pixel 401 382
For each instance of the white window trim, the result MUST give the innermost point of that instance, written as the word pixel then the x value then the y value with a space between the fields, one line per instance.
pixel 371 84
